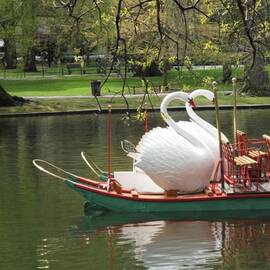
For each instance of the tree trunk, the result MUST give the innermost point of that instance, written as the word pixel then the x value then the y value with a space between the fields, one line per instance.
pixel 30 61
pixel 166 68
pixel 10 53
pixel 256 79
pixel 51 53
pixel 6 99
pixel 227 73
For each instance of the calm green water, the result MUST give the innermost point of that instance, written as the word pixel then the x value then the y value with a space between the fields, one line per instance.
pixel 42 224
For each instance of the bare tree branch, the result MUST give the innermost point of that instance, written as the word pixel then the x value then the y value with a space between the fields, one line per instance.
pixel 247 31
pixel 99 14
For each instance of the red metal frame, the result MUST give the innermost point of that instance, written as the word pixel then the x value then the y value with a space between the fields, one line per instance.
pixel 235 173
pixel 229 164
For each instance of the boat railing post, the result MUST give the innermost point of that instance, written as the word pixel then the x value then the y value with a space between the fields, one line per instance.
pixel 219 133
pixel 109 141
pixel 234 111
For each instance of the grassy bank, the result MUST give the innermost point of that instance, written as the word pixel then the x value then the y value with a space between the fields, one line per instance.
pixel 68 104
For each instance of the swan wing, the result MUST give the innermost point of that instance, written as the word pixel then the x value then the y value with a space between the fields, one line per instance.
pixel 169 160
pixel 149 138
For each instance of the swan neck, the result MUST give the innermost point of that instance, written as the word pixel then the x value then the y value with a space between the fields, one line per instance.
pixel 170 122
pixel 198 120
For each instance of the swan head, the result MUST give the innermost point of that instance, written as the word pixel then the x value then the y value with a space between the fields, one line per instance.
pixel 182 96
pixel 191 102
pixel 203 92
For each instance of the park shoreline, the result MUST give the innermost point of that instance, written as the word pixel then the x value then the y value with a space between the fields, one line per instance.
pixel 133 110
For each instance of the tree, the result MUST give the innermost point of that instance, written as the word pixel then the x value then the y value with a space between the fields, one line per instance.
pixel 254 19
pixel 7 31
pixel 29 26
pixel 85 26
pixel 243 32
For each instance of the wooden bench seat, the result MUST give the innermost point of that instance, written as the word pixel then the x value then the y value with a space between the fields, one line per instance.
pixel 244 160
pixel 256 154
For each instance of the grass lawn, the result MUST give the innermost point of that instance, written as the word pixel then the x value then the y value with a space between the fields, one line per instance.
pixel 80 85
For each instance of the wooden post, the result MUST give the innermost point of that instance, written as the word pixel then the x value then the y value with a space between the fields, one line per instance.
pixel 234 111
pixel 219 133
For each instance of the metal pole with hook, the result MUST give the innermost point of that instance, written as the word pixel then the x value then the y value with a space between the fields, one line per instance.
pixel 219 134
pixel 234 111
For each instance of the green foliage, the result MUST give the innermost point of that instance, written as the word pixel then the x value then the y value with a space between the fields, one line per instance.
pixel 140 115
pixel 188 62
pixel 207 81
pixel 186 88
pixel 212 33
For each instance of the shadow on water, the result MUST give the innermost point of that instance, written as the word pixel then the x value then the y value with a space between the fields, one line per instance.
pixel 177 242
pixel 95 219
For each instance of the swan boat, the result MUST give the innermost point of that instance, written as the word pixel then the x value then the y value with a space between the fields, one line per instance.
pixel 102 196
pixel 245 187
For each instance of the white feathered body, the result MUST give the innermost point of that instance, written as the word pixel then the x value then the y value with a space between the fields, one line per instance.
pixel 201 134
pixel 173 162
pixel 209 139
pixel 205 132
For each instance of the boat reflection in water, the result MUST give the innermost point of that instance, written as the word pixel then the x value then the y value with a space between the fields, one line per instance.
pixel 178 244
pixel 160 244
pixel 172 244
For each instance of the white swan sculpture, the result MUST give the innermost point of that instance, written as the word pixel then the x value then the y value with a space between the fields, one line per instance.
pixel 201 129
pixel 173 157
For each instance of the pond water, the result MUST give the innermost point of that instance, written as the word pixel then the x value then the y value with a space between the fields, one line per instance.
pixel 42 224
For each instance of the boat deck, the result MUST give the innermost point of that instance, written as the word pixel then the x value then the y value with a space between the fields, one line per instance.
pixel 262 187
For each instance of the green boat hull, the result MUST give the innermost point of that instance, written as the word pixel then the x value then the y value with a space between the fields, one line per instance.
pixel 255 205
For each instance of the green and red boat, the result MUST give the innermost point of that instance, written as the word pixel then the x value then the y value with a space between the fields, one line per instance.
pixel 232 199
pixel 128 201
